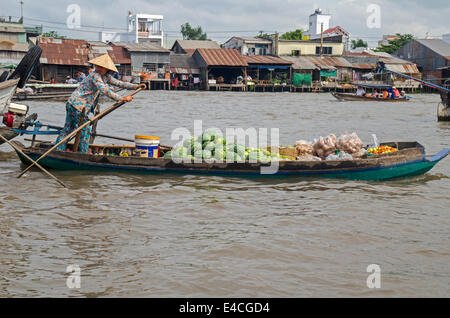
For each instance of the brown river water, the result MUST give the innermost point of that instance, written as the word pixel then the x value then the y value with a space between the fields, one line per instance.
pixel 206 236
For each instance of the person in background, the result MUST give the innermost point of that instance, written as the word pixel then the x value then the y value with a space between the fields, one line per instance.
pixel 396 92
pixel 360 92
pixel 52 80
pixel 391 93
pixel 175 82
pixel 385 94
pixel 403 94
pixel 83 99
pixel 375 93
pixel 81 77
pixel 70 80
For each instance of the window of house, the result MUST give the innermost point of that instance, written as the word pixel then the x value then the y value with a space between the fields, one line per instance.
pixel 251 51
pixel 149 67
pixel 295 52
pixel 262 51
pixel 327 50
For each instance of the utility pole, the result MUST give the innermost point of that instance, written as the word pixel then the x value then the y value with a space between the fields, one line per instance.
pixel 21 9
pixel 321 40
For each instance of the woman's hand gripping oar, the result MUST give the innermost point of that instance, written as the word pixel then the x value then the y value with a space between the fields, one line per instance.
pixel 73 133
pixel 31 160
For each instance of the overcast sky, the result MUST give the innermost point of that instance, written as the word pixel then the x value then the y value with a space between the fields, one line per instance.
pixel 401 16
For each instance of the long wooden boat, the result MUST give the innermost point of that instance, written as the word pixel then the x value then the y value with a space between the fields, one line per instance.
pixel 42 97
pixel 353 97
pixel 409 161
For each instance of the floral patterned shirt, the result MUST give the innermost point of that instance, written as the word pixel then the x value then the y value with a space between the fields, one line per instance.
pixel 86 93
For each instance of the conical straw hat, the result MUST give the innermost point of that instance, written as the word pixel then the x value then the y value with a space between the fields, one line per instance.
pixel 104 61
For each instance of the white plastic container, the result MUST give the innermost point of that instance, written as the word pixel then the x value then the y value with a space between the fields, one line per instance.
pixel 18 109
pixel 147 146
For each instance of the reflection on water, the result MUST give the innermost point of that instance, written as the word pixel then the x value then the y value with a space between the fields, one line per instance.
pixel 199 236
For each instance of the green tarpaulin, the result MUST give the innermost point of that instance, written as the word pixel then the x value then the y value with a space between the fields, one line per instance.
pixel 328 74
pixel 301 79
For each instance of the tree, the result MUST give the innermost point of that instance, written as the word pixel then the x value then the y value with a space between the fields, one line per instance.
pixel 52 34
pixel 292 35
pixel 358 43
pixel 263 35
pixel 395 44
pixel 190 33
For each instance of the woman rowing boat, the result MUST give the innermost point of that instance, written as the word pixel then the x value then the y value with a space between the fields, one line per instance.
pixel 83 99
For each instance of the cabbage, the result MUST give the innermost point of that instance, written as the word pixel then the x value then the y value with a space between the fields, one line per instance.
pixel 180 152
pixel 207 154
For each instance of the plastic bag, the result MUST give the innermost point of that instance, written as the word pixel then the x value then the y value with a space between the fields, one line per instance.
pixel 325 146
pixel 304 147
pixel 350 143
pixel 375 143
pixel 360 154
pixel 341 156
pixel 308 157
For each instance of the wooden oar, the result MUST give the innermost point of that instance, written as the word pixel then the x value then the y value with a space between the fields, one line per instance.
pixel 73 133
pixel 31 160
pixel 112 137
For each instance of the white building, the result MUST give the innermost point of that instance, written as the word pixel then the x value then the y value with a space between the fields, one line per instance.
pixel 315 22
pixel 145 28
pixel 249 46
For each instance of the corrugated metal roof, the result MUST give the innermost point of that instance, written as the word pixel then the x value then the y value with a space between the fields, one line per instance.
pixel 327 62
pixel 253 40
pixel 439 46
pixel 406 68
pixel 190 51
pixel 197 44
pixel 120 55
pixel 64 51
pixel 300 63
pixel 182 60
pixel 367 58
pixel 338 30
pixel 363 66
pixel 142 47
pixel 222 57
pixel 265 59
pixel 181 70
pixel 183 64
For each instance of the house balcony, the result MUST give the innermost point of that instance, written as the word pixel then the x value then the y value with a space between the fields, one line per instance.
pixel 147 35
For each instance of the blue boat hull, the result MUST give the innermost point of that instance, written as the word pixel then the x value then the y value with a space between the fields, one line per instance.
pixel 62 161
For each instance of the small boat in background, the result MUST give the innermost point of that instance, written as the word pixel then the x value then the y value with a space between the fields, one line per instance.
pixel 369 97
pixel 352 97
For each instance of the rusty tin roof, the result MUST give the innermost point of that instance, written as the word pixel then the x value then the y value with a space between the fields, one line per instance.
pixel 222 57
pixel 265 59
pixel 64 51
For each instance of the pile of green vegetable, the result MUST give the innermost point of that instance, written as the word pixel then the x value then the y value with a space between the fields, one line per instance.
pixel 211 146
